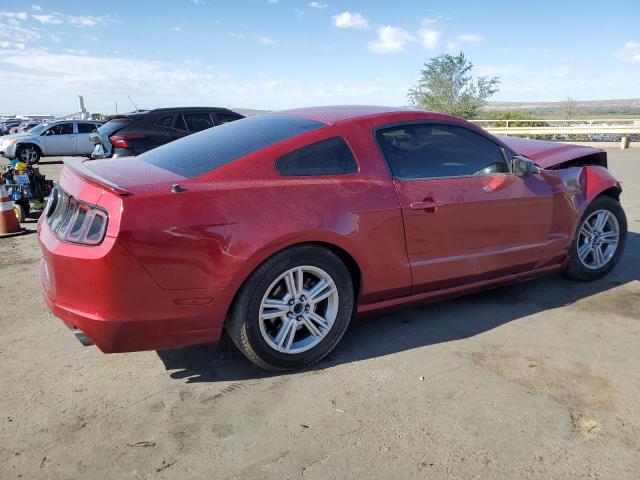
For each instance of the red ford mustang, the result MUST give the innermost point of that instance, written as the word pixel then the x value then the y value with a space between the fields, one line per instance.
pixel 279 227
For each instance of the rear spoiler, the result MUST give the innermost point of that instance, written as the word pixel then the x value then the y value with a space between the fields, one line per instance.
pixel 78 166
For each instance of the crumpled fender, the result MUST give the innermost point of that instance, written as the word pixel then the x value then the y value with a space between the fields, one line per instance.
pixel 581 185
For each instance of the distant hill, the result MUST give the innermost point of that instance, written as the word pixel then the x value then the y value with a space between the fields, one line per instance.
pixel 581 108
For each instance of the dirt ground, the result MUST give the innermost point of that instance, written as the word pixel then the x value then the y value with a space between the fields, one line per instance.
pixel 536 380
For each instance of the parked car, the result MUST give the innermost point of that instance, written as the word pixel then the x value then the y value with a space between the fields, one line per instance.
pixel 138 132
pixel 62 137
pixel 24 126
pixel 7 125
pixel 278 227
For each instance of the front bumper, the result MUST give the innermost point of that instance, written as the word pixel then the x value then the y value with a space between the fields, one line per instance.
pixel 8 151
pixel 104 292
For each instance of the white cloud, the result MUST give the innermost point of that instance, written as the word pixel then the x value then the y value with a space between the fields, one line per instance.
pixel 84 21
pixel 453 47
pixel 47 19
pixel 198 2
pixel 316 5
pixel 470 38
pixel 36 8
pixel 630 52
pixel 14 15
pixel 272 2
pixel 177 29
pixel 391 40
pixel 55 38
pixel 12 46
pixel 351 20
pixel 268 41
pixel 49 82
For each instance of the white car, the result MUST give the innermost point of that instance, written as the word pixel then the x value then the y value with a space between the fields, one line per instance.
pixel 63 137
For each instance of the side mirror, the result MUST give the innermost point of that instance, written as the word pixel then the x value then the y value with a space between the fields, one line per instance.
pixel 522 166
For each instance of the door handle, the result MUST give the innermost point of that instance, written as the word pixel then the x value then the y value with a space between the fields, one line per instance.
pixel 429 205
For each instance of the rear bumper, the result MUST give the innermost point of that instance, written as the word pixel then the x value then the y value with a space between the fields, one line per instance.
pixel 105 293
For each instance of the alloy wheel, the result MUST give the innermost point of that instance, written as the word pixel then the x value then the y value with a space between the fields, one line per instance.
pixel 598 239
pixel 298 309
pixel 28 155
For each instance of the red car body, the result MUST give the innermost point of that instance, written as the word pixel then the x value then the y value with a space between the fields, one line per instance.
pixel 171 262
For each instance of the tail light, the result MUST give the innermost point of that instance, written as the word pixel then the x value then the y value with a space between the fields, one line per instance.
pixel 75 221
pixel 122 141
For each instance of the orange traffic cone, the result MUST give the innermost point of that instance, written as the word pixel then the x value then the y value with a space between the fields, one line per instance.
pixel 9 224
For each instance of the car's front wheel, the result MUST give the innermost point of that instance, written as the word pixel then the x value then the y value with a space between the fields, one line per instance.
pixel 294 309
pixel 599 241
pixel 28 154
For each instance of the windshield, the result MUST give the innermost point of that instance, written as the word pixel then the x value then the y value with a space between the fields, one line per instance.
pixel 39 128
pixel 209 149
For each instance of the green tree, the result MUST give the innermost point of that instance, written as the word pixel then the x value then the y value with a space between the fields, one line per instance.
pixel 447 86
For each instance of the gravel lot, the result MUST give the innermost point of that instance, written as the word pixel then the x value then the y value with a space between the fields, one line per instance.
pixel 535 380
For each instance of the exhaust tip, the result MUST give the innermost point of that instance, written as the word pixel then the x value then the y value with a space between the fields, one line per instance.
pixel 82 337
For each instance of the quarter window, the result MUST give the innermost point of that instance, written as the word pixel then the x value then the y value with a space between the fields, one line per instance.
pixel 179 124
pixel 329 157
pixel 165 121
pixel 198 121
pixel 437 151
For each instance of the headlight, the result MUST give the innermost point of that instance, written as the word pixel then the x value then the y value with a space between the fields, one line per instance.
pixel 12 142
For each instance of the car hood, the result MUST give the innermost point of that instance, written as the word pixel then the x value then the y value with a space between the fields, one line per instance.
pixel 546 154
pixel 15 135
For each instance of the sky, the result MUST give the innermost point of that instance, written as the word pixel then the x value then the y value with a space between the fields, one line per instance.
pixel 275 54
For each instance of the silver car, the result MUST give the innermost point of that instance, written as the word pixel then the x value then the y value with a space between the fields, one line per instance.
pixel 63 137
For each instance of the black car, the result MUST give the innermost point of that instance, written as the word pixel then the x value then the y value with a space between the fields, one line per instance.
pixel 135 133
pixel 7 125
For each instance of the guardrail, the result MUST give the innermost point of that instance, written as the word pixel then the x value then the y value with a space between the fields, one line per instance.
pixel 622 127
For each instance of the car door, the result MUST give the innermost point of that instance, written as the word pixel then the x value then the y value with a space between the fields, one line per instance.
pixel 467 217
pixel 83 143
pixel 59 139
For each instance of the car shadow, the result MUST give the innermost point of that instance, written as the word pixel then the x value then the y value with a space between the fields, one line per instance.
pixel 429 324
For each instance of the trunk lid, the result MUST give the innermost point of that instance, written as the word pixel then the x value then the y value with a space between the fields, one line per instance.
pixel 123 176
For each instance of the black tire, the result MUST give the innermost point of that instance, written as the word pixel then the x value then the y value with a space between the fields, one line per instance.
pixel 575 269
pixel 20 211
pixel 28 153
pixel 243 325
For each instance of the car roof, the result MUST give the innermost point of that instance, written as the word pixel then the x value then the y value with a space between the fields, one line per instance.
pixel 341 113
pixel 168 110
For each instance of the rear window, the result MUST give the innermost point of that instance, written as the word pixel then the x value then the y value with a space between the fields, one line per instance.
pixel 113 126
pixel 207 150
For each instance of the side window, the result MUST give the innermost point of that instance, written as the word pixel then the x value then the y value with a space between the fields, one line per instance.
pixel 436 151
pixel 226 117
pixel 179 124
pixel 86 127
pixel 60 129
pixel 329 157
pixel 165 121
pixel 198 121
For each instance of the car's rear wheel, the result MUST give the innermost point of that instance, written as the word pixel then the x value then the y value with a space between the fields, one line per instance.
pixel 599 241
pixel 294 309
pixel 29 154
